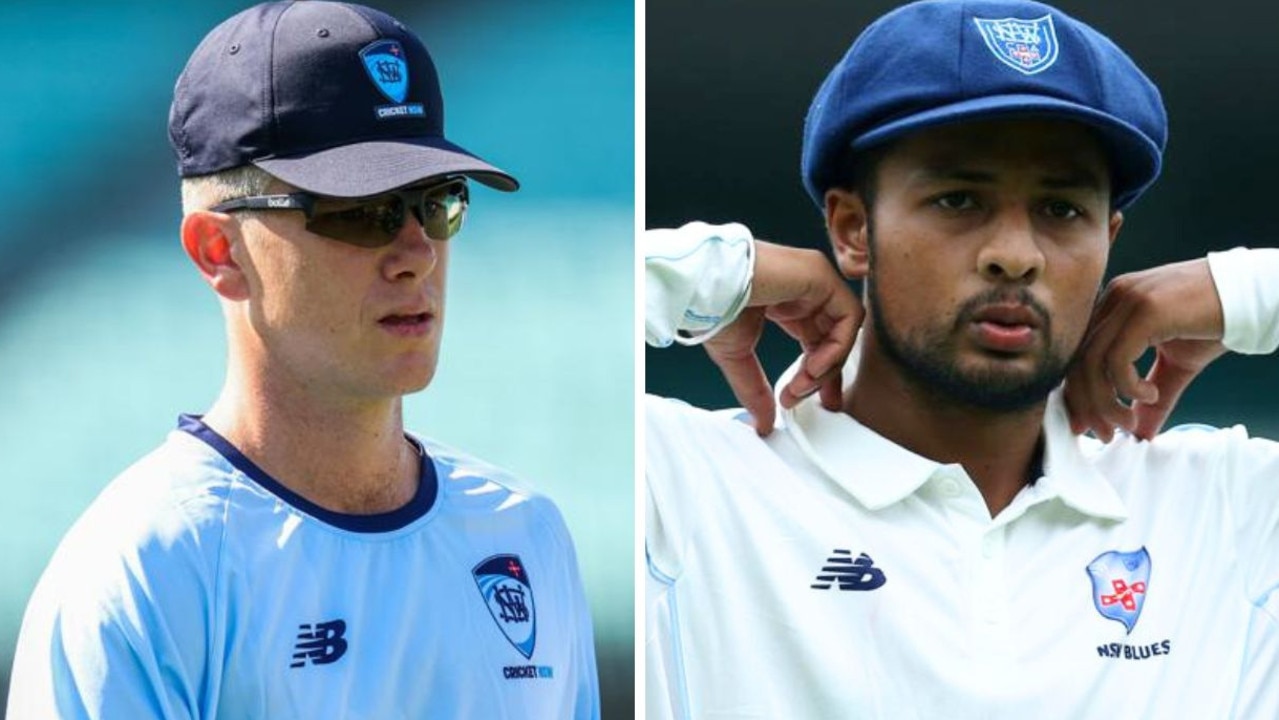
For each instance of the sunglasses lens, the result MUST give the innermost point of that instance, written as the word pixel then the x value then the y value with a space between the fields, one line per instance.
pixel 376 222
pixel 370 224
pixel 444 211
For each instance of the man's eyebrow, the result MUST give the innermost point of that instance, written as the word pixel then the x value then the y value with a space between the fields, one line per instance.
pixel 1075 178
pixel 951 172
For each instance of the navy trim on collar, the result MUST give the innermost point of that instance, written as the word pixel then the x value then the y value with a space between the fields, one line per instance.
pixel 421 503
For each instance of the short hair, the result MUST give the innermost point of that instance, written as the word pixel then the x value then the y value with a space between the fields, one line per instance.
pixel 861 170
pixel 204 191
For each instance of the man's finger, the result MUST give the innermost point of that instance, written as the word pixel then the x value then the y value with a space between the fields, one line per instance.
pixel 1172 379
pixel 1098 405
pixel 1126 349
pixel 804 384
pixel 750 386
pixel 832 391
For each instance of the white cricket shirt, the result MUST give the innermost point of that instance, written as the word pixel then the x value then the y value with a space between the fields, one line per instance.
pixel 196 586
pixel 825 572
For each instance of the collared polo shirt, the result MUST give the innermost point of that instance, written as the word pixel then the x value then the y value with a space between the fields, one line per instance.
pixel 826 572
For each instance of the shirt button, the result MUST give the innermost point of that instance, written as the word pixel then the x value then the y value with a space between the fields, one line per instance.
pixel 949 487
pixel 988 547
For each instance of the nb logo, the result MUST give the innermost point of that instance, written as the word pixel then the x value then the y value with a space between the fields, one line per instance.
pixel 319 644
pixel 851 574
pixel 511 602
pixel 388 71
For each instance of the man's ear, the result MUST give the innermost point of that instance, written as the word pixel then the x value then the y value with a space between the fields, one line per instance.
pixel 209 239
pixel 1116 222
pixel 848 225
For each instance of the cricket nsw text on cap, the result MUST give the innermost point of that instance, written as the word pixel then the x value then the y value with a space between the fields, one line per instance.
pixel 945 61
pixel 334 98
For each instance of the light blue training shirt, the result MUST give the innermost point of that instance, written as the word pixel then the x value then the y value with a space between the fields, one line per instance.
pixel 197 586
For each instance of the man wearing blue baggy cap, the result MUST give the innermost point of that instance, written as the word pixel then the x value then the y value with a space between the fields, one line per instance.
pixel 293 552
pixel 921 530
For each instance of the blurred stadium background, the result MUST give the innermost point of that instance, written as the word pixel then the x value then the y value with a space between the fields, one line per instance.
pixel 106 332
pixel 729 83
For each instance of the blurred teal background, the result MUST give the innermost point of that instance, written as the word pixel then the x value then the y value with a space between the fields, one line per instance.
pixel 107 332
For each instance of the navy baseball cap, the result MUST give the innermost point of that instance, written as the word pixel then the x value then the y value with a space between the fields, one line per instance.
pixel 334 98
pixel 939 62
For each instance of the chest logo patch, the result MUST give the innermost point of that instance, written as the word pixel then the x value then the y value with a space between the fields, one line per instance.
pixel 319 644
pixel 1119 584
pixel 857 574
pixel 1027 46
pixel 508 593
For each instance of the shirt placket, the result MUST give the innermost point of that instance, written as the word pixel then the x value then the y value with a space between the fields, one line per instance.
pixel 987 613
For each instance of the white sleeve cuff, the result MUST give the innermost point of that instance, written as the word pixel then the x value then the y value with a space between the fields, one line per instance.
pixel 697 280
pixel 1248 284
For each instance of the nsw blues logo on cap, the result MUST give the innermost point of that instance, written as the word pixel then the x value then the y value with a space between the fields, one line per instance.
pixel 384 61
pixel 1119 582
pixel 1027 46
pixel 507 591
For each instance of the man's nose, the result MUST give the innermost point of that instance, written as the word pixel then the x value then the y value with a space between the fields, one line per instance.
pixel 1012 252
pixel 415 253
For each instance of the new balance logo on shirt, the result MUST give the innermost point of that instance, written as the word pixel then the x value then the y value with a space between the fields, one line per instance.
pixel 850 573
pixel 319 644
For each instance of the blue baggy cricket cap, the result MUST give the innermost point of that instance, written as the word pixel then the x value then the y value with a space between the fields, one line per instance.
pixel 940 62
pixel 334 98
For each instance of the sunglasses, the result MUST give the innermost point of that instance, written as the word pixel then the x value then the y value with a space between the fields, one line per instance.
pixel 371 222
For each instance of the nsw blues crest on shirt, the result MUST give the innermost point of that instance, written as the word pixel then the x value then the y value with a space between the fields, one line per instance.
pixel 1119 583
pixel 507 591
pixel 1027 46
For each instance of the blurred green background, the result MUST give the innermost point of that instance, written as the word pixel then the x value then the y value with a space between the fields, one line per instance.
pixel 107 332
pixel 729 83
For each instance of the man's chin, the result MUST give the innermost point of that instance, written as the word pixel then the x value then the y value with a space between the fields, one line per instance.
pixel 961 374
pixel 408 380
pixel 999 390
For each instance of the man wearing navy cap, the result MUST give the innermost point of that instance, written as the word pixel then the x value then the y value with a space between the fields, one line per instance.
pixel 934 539
pixel 293 552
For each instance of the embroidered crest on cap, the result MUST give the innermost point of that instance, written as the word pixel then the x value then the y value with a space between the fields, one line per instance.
pixel 1027 46
pixel 1119 583
pixel 384 61
pixel 508 593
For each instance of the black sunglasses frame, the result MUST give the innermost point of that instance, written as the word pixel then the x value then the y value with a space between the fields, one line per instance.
pixel 414 198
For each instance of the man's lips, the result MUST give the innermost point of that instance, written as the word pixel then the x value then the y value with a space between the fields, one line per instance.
pixel 408 323
pixel 1007 328
pixel 1007 314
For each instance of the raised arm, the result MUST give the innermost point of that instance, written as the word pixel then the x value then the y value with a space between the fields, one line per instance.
pixel 716 285
pixel 1190 313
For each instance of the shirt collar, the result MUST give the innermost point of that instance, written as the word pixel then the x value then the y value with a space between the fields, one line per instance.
pixel 1069 474
pixel 879 472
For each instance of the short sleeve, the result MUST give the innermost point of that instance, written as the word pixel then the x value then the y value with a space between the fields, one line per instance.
pixel 115 631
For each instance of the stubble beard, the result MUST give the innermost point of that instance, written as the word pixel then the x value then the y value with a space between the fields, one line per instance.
pixel 928 358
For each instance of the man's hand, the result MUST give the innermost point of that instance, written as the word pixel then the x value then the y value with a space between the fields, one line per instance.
pixel 1174 309
pixel 802 293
